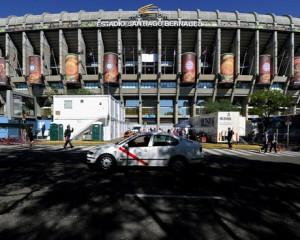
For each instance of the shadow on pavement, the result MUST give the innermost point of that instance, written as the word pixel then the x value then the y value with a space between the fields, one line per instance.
pixel 53 195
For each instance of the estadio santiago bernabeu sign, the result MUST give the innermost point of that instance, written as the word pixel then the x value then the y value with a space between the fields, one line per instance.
pixel 148 23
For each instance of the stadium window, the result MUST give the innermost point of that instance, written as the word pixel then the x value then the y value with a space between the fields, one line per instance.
pixel 206 84
pixel 148 84
pixel 129 84
pixel 91 84
pixel 56 85
pixel 243 85
pixel 168 84
pixel 21 86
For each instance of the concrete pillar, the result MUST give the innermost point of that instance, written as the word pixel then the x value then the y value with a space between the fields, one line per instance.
pixel 198 48
pixel 12 53
pixel 81 53
pixel 237 55
pixel 100 59
pixel 256 63
pixel 291 59
pixel 120 64
pixel 139 48
pixel 256 60
pixel 217 62
pixel 27 50
pixel 179 52
pixel 63 51
pixel 159 43
pixel 45 52
pixel 275 53
pixel 292 53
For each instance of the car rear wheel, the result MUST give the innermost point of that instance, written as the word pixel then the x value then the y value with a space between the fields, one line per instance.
pixel 106 163
pixel 178 165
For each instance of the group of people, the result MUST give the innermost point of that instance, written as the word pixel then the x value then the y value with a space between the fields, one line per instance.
pixel 269 141
pixel 67 135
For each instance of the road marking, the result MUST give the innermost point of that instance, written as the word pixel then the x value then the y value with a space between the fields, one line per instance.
pixel 212 152
pixel 144 195
pixel 227 151
pixel 239 151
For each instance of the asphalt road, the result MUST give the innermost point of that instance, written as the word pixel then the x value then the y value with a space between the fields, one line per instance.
pixel 49 193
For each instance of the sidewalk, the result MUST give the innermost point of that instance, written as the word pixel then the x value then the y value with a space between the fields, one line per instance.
pixel 94 143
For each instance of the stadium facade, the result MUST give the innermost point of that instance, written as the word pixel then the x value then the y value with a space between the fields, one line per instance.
pixel 162 65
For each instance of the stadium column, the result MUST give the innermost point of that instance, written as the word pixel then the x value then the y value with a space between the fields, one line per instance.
pixel 63 51
pixel 11 52
pixel 198 53
pixel 81 55
pixel 291 55
pixel 217 66
pixel 139 76
pixel 178 76
pixel 45 52
pixel 256 68
pixel 158 75
pixel 27 50
pixel 100 59
pixel 236 48
pixel 237 53
pixel 120 63
pixel 274 57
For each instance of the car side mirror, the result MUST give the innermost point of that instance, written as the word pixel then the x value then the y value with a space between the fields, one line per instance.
pixel 126 146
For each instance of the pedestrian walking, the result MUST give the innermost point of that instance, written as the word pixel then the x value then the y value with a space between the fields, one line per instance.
pixel 264 147
pixel 67 135
pixel 229 137
pixel 273 142
pixel 30 137
pixel 43 130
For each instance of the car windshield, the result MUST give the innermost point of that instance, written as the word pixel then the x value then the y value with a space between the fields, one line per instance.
pixel 124 140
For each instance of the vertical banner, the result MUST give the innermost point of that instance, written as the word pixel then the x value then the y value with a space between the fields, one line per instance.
pixel 3 77
pixel 12 65
pixel 264 69
pixel 71 65
pixel 45 55
pixel 35 75
pixel 110 70
pixel 227 68
pixel 188 67
pixel 63 52
pixel 27 50
pixel 296 78
pixel 82 53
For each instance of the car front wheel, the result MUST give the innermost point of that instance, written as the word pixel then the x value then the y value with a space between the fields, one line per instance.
pixel 178 165
pixel 106 163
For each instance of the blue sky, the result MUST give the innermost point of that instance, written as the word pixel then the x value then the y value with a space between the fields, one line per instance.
pixel 22 7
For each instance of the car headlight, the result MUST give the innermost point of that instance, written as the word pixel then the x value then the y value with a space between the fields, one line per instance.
pixel 91 153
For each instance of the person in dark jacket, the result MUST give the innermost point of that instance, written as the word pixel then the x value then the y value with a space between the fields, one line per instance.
pixel 264 147
pixel 229 137
pixel 30 136
pixel 273 142
pixel 67 135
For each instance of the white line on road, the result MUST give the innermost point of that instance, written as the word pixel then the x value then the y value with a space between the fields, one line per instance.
pixel 225 151
pixel 212 152
pixel 143 195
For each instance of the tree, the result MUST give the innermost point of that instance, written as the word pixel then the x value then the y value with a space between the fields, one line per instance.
pixel 267 102
pixel 221 105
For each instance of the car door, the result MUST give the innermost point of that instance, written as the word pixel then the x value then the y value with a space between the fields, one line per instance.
pixel 163 147
pixel 136 153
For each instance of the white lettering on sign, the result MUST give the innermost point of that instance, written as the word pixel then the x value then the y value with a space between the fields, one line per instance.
pixel 148 23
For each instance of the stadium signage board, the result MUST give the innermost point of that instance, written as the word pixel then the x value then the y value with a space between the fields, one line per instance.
pixel 148 23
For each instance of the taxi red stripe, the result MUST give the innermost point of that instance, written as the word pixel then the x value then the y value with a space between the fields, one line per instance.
pixel 129 154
